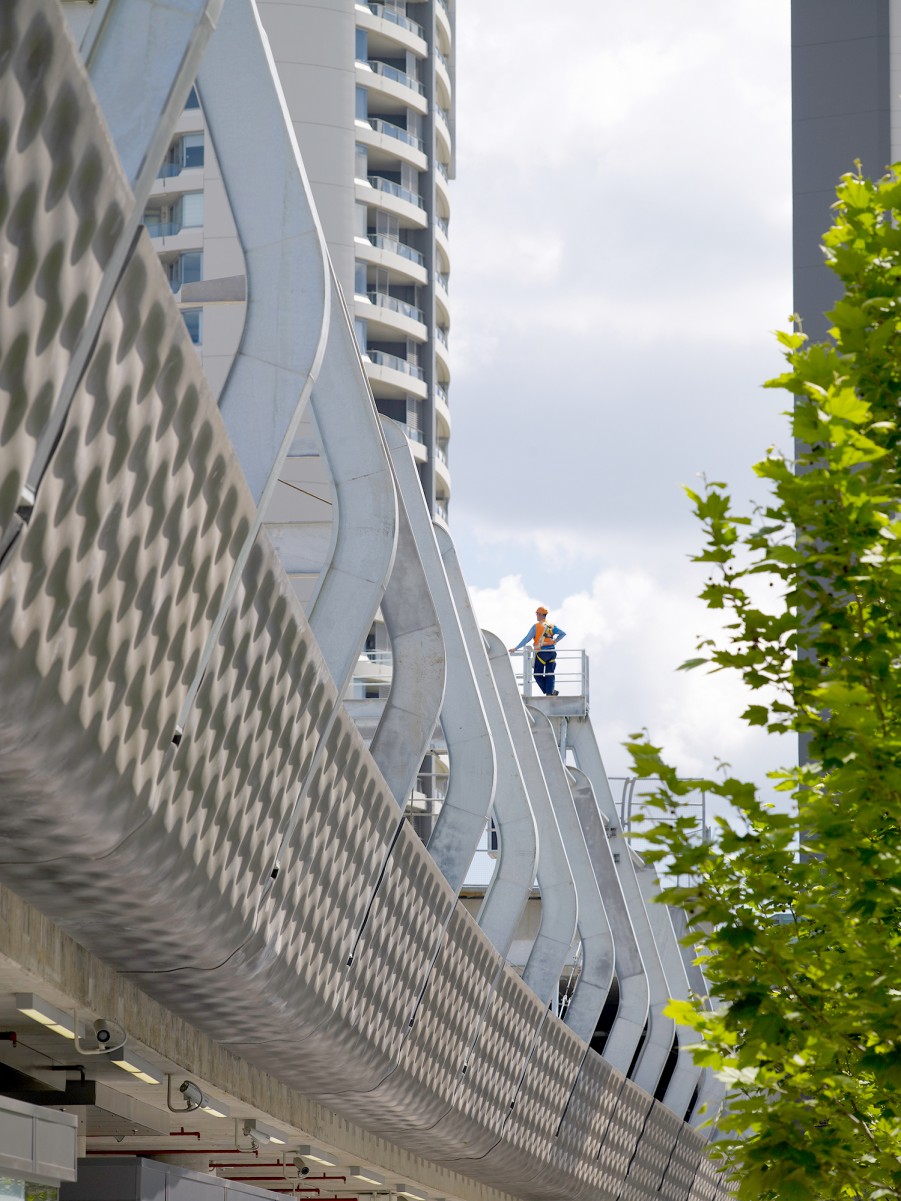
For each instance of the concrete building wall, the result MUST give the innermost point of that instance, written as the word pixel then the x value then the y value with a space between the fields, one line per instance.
pixel 313 48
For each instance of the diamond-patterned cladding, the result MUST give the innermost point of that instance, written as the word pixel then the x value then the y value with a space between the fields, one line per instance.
pixel 53 165
pixel 652 1155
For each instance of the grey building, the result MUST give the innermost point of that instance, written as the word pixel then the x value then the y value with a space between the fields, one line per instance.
pixel 846 80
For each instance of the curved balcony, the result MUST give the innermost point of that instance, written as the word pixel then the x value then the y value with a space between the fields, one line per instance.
pixel 396 376
pixel 443 134
pixel 394 142
pixel 395 199
pixel 442 357
pixel 443 79
pixel 442 413
pixel 398 29
pixel 387 318
pixel 441 241
pixel 442 301
pixel 402 261
pixel 391 85
pixel 442 472
pixel 416 438
pixel 442 190
pixel 443 25
pixel 171 179
pixel 171 236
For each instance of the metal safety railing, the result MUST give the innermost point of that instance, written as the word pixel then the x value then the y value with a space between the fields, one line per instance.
pixel 636 812
pixel 571 677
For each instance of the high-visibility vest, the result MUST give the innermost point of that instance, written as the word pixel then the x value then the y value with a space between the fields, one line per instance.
pixel 544 634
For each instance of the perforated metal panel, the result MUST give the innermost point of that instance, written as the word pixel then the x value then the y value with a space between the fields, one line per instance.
pixel 583 1129
pixel 532 1126
pixel 506 1035
pixel 54 165
pixel 652 1155
pixel 683 1165
pixel 422 1088
pixel 708 1183
pixel 623 1132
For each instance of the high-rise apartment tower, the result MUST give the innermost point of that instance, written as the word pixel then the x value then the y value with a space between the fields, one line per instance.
pixel 370 91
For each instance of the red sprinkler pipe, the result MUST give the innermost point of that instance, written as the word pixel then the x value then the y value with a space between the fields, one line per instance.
pixel 178 1151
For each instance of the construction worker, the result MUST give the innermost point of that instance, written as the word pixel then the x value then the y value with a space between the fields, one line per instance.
pixel 544 636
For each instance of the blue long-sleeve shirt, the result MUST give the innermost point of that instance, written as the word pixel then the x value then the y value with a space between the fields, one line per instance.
pixel 556 633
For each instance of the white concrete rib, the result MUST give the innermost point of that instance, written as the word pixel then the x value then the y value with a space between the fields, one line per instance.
pixel 408 720
pixel 658 1040
pixel 470 790
pixel 624 1038
pixel 514 874
pixel 288 293
pixel 559 904
pixel 596 974
pixel 364 530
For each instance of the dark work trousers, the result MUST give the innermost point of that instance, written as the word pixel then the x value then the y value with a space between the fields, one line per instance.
pixel 544 669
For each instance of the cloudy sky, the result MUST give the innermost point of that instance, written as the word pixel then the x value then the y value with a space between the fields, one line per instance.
pixel 621 254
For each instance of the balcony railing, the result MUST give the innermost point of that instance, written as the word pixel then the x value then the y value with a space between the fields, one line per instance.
pixel 382 359
pixel 442 223
pixel 442 167
pixel 443 279
pixel 572 671
pixel 442 58
pixel 396 76
pixel 394 189
pixel 414 434
pixel 384 301
pixel 442 455
pixel 396 18
pixel 441 334
pixel 389 129
pixel 163 229
pixel 443 4
pixel 442 394
pixel 383 242
pixel 445 114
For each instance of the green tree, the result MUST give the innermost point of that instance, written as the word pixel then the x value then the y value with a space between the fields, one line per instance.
pixel 808 1023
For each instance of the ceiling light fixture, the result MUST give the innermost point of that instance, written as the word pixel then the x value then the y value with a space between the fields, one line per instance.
pixel 48 1015
pixel 262 1133
pixel 139 1068
pixel 317 1155
pixel 367 1175
pixel 407 1190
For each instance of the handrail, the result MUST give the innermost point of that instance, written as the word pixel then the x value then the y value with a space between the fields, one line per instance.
pixel 382 359
pixel 572 671
pixel 394 189
pixel 390 130
pixel 395 75
pixel 383 242
pixel 386 301
pixel 388 14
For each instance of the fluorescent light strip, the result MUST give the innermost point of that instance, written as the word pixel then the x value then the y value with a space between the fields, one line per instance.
pixel 263 1133
pixel 45 1013
pixel 366 1174
pixel 407 1190
pixel 138 1068
pixel 216 1109
pixel 317 1155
